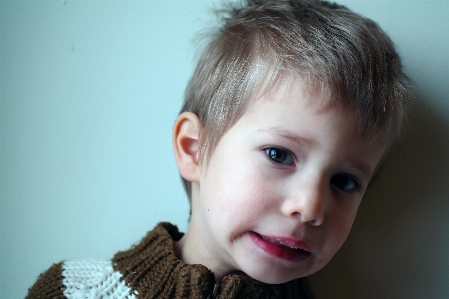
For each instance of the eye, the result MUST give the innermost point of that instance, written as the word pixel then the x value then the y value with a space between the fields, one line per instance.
pixel 279 156
pixel 345 182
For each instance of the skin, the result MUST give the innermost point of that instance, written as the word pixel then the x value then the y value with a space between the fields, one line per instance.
pixel 291 169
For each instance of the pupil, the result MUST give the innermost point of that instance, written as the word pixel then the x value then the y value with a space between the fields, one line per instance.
pixel 277 155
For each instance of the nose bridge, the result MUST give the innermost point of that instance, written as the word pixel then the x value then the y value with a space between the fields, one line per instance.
pixel 307 198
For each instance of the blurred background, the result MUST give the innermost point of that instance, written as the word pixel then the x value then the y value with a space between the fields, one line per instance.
pixel 89 91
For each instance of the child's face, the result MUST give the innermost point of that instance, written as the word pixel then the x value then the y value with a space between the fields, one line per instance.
pixel 289 173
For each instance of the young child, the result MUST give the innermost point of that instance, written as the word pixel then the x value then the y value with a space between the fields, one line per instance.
pixel 290 111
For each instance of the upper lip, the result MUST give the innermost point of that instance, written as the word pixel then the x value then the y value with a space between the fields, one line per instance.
pixel 286 241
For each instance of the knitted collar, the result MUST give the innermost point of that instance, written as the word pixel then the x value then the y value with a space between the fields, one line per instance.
pixel 152 269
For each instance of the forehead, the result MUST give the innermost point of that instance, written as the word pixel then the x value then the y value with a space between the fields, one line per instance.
pixel 293 89
pixel 297 93
pixel 291 102
pixel 293 107
pixel 303 89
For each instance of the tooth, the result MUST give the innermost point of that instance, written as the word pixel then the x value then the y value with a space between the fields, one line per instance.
pixel 290 246
pixel 280 243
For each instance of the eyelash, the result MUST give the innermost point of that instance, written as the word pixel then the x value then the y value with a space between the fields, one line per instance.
pixel 276 154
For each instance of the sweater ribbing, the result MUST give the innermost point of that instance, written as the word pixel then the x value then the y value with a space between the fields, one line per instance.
pixel 151 270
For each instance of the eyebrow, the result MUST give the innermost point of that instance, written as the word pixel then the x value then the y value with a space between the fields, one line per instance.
pixel 288 135
pixel 363 167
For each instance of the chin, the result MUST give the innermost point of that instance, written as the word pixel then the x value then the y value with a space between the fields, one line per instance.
pixel 273 279
pixel 272 276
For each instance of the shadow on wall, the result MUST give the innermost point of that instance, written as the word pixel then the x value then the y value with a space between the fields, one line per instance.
pixel 399 245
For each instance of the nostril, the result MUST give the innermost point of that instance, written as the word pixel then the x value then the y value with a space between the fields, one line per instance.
pixel 317 221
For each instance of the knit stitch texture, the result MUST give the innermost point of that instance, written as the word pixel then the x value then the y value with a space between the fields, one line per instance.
pixel 151 270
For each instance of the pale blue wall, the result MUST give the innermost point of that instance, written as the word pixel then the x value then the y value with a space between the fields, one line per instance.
pixel 89 92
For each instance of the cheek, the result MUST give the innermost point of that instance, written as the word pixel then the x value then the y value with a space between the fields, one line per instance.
pixel 239 196
pixel 339 227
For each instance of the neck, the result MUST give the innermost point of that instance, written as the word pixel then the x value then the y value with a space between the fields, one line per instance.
pixel 191 250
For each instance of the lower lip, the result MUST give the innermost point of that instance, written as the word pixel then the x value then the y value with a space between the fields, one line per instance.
pixel 278 250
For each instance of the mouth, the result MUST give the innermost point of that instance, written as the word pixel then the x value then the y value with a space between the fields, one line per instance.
pixel 283 248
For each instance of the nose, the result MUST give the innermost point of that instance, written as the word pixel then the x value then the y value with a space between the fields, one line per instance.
pixel 306 202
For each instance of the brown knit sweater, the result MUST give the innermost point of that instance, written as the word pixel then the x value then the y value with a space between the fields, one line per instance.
pixel 151 270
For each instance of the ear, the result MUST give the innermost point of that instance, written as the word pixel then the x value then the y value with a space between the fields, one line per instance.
pixel 186 132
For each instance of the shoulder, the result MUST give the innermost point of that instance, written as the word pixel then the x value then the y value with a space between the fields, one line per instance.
pixel 48 284
pixel 94 278
pixel 84 278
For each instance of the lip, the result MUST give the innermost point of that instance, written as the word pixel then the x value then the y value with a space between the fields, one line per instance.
pixel 281 247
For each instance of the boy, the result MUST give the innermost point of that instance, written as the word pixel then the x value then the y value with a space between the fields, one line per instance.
pixel 290 111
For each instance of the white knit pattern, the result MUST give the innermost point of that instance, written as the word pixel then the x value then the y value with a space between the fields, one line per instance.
pixel 94 279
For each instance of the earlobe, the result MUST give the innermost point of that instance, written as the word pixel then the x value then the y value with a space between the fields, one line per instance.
pixel 186 132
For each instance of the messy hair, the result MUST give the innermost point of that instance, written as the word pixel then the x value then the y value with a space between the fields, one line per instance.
pixel 324 44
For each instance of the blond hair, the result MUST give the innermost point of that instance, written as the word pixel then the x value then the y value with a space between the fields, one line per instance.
pixel 322 43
